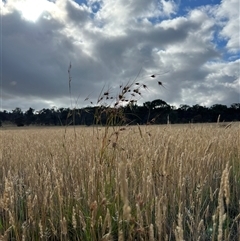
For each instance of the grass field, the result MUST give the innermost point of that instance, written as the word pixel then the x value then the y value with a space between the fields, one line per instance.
pixel 172 182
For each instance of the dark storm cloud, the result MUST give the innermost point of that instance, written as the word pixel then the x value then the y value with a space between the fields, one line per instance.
pixel 35 56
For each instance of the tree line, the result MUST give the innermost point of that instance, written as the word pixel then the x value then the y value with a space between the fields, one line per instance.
pixel 151 112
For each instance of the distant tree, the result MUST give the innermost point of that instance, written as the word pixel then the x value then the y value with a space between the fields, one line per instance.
pixel 219 110
pixel 199 114
pixel 29 116
pixel 173 116
pixel 159 104
pixel 148 104
pixel 4 116
pixel 184 115
pixel 44 117
pixel 18 117
pixel 235 106
pixel 184 107
pixel 153 112
pixel 233 113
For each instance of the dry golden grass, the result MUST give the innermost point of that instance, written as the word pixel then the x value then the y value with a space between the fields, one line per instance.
pixel 179 182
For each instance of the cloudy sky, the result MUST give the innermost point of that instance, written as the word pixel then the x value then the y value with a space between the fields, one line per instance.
pixel 191 46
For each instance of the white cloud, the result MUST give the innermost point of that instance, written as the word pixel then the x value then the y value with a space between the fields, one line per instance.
pixel 169 7
pixel 228 14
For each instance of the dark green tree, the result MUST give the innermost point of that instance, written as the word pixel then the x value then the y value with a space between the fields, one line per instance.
pixel 29 116
pixel 18 117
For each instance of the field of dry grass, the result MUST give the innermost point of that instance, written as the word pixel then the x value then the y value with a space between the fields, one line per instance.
pixel 175 182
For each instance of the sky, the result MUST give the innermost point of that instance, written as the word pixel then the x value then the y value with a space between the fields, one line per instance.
pixel 191 46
